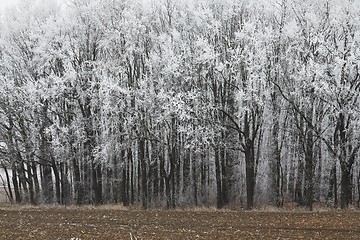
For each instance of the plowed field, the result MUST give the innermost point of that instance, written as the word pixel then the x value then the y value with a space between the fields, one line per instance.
pixel 87 223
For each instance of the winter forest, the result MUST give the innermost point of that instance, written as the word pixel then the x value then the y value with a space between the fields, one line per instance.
pixel 167 103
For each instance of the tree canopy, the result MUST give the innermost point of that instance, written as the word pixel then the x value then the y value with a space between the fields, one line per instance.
pixel 181 103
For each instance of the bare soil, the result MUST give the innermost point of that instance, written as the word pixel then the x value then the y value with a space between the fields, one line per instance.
pixel 109 223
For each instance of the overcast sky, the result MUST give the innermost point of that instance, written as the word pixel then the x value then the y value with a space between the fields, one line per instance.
pixel 5 3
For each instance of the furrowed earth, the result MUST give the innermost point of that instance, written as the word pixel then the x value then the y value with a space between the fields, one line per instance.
pixel 111 223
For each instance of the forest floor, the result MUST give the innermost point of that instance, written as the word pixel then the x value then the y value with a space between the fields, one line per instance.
pixel 117 223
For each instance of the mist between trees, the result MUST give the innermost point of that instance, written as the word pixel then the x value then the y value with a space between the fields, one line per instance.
pixel 170 103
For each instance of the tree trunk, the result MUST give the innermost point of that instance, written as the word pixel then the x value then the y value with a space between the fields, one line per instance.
pixel 250 162
pixel 345 186
pixel 299 183
pixel 332 192
pixel 65 186
pixel 36 181
pixel 78 185
pixel 143 173
pixel 10 192
pixel 132 175
pixel 275 166
pixel 97 183
pixel 186 174
pixel 309 170
pixel 224 177
pixel 124 186
pixel 23 180
pixel 30 182
pixel 195 181
pixel 203 179
pixel 57 180
pixel 15 183
pixel 318 181
pixel 114 178
pixel 250 175
pixel 219 203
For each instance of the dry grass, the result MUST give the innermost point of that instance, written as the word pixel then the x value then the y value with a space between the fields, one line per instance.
pixel 288 207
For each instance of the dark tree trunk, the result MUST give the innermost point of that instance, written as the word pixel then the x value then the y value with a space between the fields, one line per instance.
pixel 224 177
pixel 203 180
pixel 29 158
pixel 168 192
pixel 275 166
pixel 45 156
pixel 97 183
pixel 65 186
pixel 124 186
pixel 23 180
pixel 332 192
pixel 169 180
pixel 250 162
pixel 219 202
pixel 299 182
pixel 15 183
pixel 30 182
pixel 10 192
pixel 319 188
pixel 36 181
pixel 195 181
pixel 114 179
pixel 173 161
pixel 132 176
pixel 47 184
pixel 57 180
pixel 250 175
pixel 345 183
pixel 78 185
pixel 186 175
pixel 157 177
pixel 309 170
pixel 143 172
pixel 347 158
pixel 358 189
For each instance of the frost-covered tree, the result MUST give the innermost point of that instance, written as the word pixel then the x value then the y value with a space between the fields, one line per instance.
pixel 166 103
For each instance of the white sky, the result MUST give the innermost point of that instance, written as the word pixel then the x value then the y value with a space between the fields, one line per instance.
pixel 6 3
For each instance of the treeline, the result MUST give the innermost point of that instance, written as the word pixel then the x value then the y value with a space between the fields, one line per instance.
pixel 181 103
